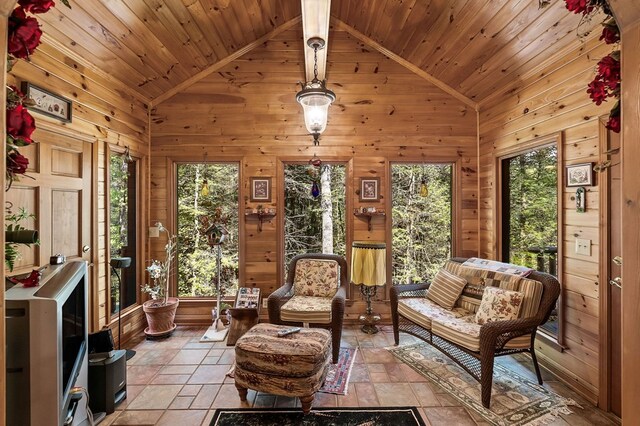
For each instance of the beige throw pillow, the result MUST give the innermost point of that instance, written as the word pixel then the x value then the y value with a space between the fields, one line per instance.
pixel 445 289
pixel 498 305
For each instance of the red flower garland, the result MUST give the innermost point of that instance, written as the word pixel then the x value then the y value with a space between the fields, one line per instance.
pixel 24 34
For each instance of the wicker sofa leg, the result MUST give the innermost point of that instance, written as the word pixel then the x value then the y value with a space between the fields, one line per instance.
pixel 486 377
pixel 336 336
pixel 532 350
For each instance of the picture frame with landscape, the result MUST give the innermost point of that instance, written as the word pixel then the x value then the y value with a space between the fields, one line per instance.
pixel 579 175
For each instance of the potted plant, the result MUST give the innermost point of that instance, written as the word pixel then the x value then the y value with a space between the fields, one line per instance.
pixel 161 309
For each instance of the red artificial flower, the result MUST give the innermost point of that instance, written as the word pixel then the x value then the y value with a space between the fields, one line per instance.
pixel 30 281
pixel 24 34
pixel 36 6
pixel 610 34
pixel 579 6
pixel 609 68
pixel 597 91
pixel 17 163
pixel 20 125
pixel 614 123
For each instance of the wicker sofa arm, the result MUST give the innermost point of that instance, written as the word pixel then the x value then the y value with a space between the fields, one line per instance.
pixel 407 290
pixel 496 333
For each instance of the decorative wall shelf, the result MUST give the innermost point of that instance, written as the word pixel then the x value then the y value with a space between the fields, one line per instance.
pixel 367 216
pixel 261 218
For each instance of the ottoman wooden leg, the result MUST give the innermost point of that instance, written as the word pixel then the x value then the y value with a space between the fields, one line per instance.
pixel 306 403
pixel 242 392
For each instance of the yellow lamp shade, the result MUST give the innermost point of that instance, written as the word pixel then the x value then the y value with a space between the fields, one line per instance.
pixel 368 263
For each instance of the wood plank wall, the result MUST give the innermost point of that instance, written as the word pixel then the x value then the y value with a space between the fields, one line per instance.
pixel 103 113
pixel 549 100
pixel 247 112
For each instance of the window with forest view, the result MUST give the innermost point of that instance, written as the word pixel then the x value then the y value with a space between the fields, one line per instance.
pixel 530 213
pixel 422 220
pixel 201 190
pixel 314 225
pixel 122 229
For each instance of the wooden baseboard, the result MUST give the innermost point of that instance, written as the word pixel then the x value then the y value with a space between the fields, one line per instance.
pixel 569 379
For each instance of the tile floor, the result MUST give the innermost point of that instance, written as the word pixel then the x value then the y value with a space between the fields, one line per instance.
pixel 180 381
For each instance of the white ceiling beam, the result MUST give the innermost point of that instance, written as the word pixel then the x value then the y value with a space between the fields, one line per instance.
pixel 315 23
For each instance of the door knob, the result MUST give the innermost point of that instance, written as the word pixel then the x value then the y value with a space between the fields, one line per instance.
pixel 617 281
pixel 85 248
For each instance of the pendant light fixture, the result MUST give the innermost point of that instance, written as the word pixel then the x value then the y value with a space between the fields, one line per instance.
pixel 205 188
pixel 314 97
pixel 424 190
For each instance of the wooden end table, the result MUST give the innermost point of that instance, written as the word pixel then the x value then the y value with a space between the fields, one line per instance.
pixel 242 319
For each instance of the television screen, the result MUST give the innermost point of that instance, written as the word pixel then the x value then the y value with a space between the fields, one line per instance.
pixel 73 332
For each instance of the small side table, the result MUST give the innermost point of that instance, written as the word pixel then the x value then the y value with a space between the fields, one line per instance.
pixel 242 319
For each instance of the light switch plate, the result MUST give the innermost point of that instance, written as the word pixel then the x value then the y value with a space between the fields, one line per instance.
pixel 154 232
pixel 583 247
pixel 264 303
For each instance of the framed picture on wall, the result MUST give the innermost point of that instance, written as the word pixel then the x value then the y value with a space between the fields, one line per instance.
pixel 260 189
pixel 48 103
pixel 370 189
pixel 580 175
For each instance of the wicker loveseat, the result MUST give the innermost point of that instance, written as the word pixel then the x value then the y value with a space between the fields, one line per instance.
pixel 455 332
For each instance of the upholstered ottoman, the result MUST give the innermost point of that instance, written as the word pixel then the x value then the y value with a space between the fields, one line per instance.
pixel 293 365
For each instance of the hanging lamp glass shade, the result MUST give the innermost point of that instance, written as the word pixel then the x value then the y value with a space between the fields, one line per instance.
pixel 205 188
pixel 315 98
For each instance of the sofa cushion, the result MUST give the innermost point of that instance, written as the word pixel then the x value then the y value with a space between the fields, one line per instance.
pixel 498 304
pixel 445 289
pixel 422 311
pixel 462 331
pixel 301 354
pixel 477 279
pixel 316 277
pixel 307 309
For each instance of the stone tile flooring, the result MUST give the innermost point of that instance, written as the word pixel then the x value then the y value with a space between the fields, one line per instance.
pixel 180 381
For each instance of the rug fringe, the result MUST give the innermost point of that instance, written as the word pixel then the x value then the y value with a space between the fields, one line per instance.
pixel 346 389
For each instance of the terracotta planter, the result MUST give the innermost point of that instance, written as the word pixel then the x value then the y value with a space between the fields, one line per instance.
pixel 160 318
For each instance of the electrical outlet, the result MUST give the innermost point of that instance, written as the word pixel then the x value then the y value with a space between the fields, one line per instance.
pixel 126 328
pixel 264 303
pixel 583 247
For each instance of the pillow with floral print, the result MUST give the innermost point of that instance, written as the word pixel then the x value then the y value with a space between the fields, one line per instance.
pixel 498 305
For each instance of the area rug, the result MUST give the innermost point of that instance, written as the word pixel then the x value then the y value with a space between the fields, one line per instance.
pixel 337 379
pixel 378 416
pixel 515 401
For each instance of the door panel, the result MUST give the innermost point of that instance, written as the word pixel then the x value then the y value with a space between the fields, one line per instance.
pixel 58 192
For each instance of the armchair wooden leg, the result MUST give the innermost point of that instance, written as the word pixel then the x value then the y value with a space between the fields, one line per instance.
pixel 336 337
pixel 486 378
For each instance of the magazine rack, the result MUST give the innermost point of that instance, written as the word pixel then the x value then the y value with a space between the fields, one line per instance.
pixel 245 314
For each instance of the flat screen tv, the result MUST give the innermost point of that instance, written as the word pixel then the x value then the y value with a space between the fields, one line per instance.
pixel 46 346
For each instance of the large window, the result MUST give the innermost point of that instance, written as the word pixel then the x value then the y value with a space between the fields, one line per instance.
pixel 422 220
pixel 530 213
pixel 314 224
pixel 123 184
pixel 203 190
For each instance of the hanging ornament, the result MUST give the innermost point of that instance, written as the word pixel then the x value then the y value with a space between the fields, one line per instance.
pixel 205 188
pixel 424 190
pixel 315 189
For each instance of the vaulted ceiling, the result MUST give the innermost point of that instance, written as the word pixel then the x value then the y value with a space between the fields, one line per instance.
pixel 474 46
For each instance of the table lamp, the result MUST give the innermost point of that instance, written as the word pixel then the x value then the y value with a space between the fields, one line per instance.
pixel 368 270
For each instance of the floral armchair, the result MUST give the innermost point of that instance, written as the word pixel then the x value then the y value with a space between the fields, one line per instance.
pixel 314 294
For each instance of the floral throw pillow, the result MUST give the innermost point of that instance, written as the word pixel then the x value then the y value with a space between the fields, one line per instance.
pixel 315 277
pixel 498 305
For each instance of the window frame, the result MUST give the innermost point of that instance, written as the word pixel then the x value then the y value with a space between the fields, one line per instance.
pixel 456 209
pixel 172 213
pixel 140 159
pixel 557 342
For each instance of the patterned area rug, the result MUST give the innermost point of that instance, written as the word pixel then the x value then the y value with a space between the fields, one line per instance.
pixel 515 401
pixel 337 379
pixel 379 416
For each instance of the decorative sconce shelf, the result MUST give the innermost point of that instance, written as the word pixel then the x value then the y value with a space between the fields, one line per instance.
pixel 262 217
pixel 368 216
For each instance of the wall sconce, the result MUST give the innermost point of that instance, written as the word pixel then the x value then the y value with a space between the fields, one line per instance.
pixel 314 97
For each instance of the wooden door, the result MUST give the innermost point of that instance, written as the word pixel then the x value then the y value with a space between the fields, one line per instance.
pixel 615 271
pixel 57 190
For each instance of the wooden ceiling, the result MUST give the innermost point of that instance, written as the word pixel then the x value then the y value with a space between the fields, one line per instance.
pixel 474 46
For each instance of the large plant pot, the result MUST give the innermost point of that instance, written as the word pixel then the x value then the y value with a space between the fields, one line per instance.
pixel 160 318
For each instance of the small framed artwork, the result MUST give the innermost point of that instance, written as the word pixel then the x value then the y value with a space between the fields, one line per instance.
pixel 260 189
pixel 48 103
pixel 370 189
pixel 580 175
